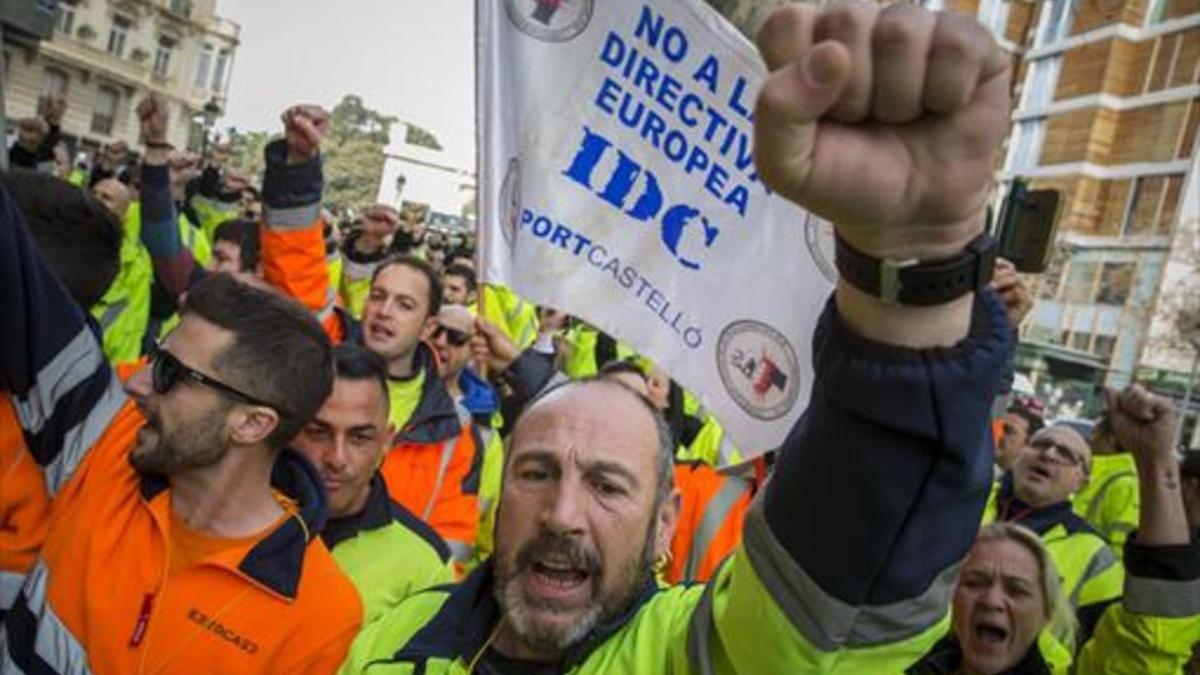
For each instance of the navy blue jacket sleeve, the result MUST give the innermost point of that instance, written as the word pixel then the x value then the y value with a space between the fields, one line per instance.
pixel 879 489
pixel 51 363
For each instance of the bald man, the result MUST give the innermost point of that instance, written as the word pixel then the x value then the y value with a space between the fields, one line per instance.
pixel 1046 473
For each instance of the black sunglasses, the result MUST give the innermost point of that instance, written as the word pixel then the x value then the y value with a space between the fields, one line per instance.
pixel 167 371
pixel 456 338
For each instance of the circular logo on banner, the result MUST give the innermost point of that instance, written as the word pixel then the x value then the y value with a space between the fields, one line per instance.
pixel 510 202
pixel 550 20
pixel 818 234
pixel 759 369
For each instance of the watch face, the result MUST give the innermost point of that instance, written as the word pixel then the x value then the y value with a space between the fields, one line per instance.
pixel 818 234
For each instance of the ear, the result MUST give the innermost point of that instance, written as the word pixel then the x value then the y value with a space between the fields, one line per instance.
pixel 667 519
pixel 251 425
pixel 431 324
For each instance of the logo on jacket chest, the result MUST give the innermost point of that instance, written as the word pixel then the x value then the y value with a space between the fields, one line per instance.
pixel 225 633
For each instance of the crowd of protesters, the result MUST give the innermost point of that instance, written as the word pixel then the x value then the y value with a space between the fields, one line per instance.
pixel 240 433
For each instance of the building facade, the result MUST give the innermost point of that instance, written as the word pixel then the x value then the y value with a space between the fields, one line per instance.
pixel 420 180
pixel 105 55
pixel 1106 108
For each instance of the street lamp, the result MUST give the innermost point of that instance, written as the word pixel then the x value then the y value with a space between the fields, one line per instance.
pixel 211 111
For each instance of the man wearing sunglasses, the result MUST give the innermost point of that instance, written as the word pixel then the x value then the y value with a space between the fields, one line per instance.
pixel 1046 472
pixel 182 532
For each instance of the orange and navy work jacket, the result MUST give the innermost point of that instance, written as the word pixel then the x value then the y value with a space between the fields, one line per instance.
pixel 98 598
pixel 24 506
pixel 292 237
pixel 435 464
pixel 711 514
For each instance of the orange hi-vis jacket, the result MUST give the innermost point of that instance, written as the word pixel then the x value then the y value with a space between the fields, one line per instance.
pixel 99 598
pixel 436 462
pixel 434 466
pixel 711 514
pixel 24 506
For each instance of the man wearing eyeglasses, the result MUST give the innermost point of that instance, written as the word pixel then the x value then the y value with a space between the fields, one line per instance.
pixel 182 532
pixel 1046 472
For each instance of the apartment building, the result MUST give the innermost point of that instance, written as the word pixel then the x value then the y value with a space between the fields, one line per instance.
pixel 105 55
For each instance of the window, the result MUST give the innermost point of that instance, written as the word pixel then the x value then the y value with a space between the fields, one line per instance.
pixel 1056 22
pixel 1052 277
pixel 1104 346
pixel 1116 283
pixel 1040 82
pixel 1045 335
pixel 65 18
pixel 993 14
pixel 1081 276
pixel 202 66
pixel 1165 10
pixel 183 7
pixel 218 80
pixel 1026 145
pixel 116 36
pixel 105 112
pixel 54 85
pixel 1081 341
pixel 162 55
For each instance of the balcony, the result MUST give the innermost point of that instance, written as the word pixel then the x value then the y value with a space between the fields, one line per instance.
pixel 227 28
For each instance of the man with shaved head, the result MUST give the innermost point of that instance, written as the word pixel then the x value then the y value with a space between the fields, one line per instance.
pixel 886 122
pixel 1046 473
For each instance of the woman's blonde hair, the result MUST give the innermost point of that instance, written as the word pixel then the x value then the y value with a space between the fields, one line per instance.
pixel 1061 623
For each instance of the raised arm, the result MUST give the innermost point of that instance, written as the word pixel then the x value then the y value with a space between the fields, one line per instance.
pixel 174 266
pixel 885 121
pixel 1154 627
pixel 50 363
pixel 293 244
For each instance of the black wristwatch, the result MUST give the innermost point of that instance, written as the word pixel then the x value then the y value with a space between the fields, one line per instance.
pixel 919 282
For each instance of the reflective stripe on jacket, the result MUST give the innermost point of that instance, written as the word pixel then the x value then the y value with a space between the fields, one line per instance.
pixel 713 508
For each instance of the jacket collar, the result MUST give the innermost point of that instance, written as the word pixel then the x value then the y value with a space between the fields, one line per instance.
pixel 946 659
pixel 376 513
pixel 478 396
pixel 1041 521
pixel 276 561
pixel 435 418
pixel 462 626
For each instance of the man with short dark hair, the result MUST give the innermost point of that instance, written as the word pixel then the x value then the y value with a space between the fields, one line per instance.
pixel 177 509
pixel 458 282
pixel 1018 424
pixel 235 248
pixel 386 551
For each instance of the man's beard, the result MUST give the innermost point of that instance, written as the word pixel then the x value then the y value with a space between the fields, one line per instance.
pixel 554 639
pixel 198 446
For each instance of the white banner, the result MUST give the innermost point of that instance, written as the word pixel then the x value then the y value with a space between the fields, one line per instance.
pixel 617 183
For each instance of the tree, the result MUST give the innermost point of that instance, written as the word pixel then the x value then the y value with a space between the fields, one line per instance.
pixel 353 153
pixel 246 152
pixel 416 135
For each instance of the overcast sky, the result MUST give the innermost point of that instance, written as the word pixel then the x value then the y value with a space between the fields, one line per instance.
pixel 410 58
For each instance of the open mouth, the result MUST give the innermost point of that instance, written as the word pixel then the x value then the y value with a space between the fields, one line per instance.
pixel 555 578
pixel 990 634
pixel 379 332
pixel 1039 471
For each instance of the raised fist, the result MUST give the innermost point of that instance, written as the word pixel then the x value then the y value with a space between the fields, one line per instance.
pixel 1144 425
pixel 152 120
pixel 305 127
pixel 52 110
pixel 885 121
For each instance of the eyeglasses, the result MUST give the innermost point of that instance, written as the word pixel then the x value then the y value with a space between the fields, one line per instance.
pixel 456 338
pixel 1059 453
pixel 167 371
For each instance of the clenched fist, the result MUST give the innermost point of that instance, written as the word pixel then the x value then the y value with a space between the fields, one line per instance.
pixel 884 120
pixel 305 127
